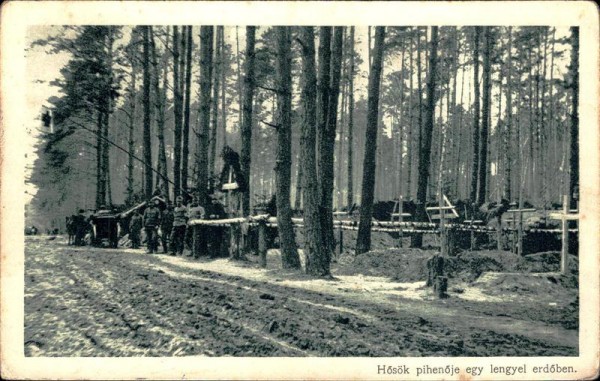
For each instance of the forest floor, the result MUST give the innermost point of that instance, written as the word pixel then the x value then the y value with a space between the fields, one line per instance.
pixel 83 301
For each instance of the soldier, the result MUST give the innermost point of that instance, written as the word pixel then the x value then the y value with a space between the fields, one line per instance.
pixel 81 227
pixel 152 219
pixel 166 226
pixel 198 242
pixel 214 234
pixel 180 217
pixel 135 227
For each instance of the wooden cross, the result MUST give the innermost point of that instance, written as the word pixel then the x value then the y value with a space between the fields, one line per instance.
pixel 564 217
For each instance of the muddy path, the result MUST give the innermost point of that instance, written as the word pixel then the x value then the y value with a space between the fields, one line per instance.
pixel 93 302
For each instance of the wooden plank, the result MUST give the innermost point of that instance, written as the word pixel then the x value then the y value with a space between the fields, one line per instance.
pixel 439 216
pixel 439 208
pixel 562 216
pixel 401 214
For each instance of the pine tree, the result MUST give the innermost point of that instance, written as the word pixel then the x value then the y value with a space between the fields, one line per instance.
pixel 363 243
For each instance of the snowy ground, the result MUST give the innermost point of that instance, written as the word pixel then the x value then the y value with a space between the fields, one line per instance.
pixel 122 302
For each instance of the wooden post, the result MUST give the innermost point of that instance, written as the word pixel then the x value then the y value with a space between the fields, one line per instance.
pixel 440 287
pixel 341 242
pixel 499 233
pixel 564 253
pixel 520 234
pixel 400 219
pixel 443 245
pixel 514 238
pixel 472 233
pixel 262 243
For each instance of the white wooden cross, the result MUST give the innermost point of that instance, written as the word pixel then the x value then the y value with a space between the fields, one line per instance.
pixel 565 216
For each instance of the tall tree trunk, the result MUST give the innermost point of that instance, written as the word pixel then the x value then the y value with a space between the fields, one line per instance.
pixel 221 32
pixel 554 153
pixel 212 158
pixel 324 73
pixel 239 78
pixel 131 129
pixel 544 162
pixel 427 134
pixel 350 189
pixel 459 172
pixel 316 256
pixel 409 138
pixel 100 180
pixel 485 120
pixel 283 161
pixel 206 54
pixel 508 128
pixel 159 99
pixel 177 132
pixel 363 242
pixel 109 109
pixel 147 144
pixel 420 90
pixel 475 169
pixel 246 130
pixel 574 133
pixel 185 149
pixel 327 141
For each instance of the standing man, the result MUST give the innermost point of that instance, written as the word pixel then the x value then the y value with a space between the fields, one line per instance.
pixel 180 217
pixel 152 219
pixel 166 226
pixel 215 211
pixel 81 227
pixel 135 227
pixel 198 240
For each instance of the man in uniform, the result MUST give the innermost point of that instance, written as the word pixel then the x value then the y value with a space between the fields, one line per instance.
pixel 197 233
pixel 180 217
pixel 135 227
pixel 152 219
pixel 166 226
pixel 81 228
pixel 215 211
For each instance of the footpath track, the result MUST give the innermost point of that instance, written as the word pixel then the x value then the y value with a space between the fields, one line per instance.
pixel 94 302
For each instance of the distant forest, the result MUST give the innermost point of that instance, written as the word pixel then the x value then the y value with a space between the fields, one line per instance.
pixel 475 113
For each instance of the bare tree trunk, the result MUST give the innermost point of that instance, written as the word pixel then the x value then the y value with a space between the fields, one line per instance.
pixel 147 146
pixel 327 138
pixel 420 88
pixel 212 158
pixel 508 128
pixel 239 78
pixel 409 137
pixel 206 54
pixel 350 194
pixel 159 103
pixel 475 169
pixel 482 192
pixel 247 116
pixel 100 179
pixel 131 129
pixel 317 262
pixel 185 149
pixel 425 152
pixel 283 162
pixel 221 32
pixel 574 133
pixel 363 242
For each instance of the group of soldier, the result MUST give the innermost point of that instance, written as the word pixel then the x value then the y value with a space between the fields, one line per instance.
pixel 170 226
